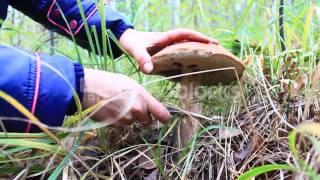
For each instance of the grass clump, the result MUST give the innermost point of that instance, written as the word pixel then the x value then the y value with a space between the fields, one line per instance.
pixel 264 126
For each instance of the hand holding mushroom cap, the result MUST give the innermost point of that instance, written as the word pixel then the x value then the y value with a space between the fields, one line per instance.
pixel 143 44
pixel 194 57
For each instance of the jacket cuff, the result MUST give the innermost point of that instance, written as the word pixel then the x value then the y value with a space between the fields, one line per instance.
pixel 79 80
pixel 119 28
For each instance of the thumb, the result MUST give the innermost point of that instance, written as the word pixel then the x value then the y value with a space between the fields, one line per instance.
pixel 143 58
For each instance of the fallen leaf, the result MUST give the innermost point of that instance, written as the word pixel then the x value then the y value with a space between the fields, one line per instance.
pixel 298 85
pixel 229 133
pixel 145 160
pixel 248 61
pixel 252 146
pixel 89 136
pixel 152 176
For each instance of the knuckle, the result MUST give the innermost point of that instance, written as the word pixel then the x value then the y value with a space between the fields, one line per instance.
pixel 136 110
pixel 140 59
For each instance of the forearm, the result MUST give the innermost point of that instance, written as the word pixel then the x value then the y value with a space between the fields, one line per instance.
pixel 64 17
pixel 42 84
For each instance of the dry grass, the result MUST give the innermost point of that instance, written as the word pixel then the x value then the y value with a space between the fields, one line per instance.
pixel 244 126
pixel 250 134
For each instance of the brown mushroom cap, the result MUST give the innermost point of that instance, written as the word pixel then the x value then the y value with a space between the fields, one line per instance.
pixel 192 57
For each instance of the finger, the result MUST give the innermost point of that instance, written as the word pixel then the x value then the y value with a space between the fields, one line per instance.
pixel 126 120
pixel 143 59
pixel 158 110
pixel 140 112
pixel 178 35
pixel 122 123
pixel 144 119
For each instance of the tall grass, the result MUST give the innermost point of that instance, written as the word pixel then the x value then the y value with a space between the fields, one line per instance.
pixel 249 131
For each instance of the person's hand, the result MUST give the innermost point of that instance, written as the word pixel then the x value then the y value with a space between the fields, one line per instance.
pixel 142 45
pixel 100 85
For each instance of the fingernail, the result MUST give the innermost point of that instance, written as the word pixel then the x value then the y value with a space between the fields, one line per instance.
pixel 148 67
pixel 215 42
pixel 169 116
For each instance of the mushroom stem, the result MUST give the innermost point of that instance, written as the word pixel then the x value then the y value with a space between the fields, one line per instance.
pixel 189 101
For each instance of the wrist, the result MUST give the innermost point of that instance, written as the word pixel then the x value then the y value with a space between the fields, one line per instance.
pixel 126 40
pixel 79 81
pixel 126 34
pixel 92 87
pixel 86 90
pixel 120 29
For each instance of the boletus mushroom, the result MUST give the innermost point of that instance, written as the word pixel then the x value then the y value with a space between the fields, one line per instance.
pixel 189 57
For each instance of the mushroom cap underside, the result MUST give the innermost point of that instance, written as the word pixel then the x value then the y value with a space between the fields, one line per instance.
pixel 190 57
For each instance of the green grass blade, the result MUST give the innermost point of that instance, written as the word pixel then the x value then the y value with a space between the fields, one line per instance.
pixel 66 160
pixel 242 19
pixel 265 169
pixel 306 129
pixel 307 28
pixel 4 171
pixel 33 145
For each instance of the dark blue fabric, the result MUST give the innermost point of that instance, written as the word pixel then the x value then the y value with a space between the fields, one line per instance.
pixel 3 10
pixel 18 68
pixel 39 11
pixel 18 74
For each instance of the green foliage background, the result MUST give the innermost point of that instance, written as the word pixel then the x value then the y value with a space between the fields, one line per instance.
pixel 249 28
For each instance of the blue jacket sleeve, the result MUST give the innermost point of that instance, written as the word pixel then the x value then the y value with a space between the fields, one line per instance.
pixel 20 71
pixel 51 14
